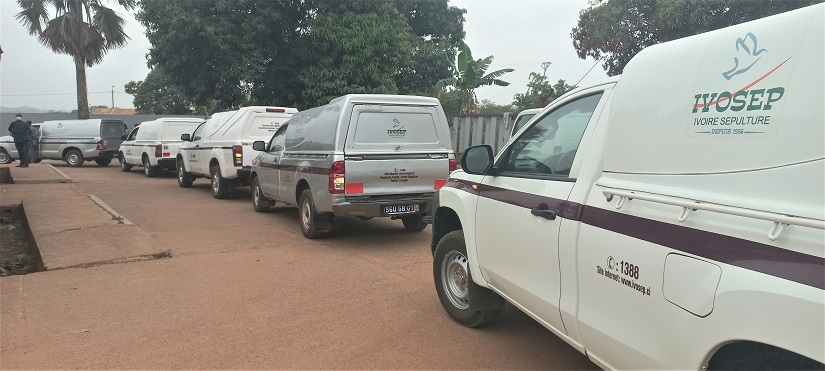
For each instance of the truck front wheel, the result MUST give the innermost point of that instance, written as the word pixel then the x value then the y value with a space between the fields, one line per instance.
pixel 453 282
pixel 184 178
pixel 259 201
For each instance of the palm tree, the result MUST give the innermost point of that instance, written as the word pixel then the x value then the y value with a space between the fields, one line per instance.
pixel 83 29
pixel 469 74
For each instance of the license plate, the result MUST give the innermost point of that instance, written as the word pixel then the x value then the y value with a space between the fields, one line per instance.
pixel 400 209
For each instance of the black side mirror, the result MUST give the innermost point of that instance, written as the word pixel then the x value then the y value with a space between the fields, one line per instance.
pixel 123 137
pixel 259 145
pixel 477 159
pixel 185 137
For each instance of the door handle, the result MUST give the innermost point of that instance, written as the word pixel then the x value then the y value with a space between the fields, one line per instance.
pixel 544 213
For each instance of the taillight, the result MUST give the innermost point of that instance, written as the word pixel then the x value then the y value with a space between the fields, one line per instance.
pixel 158 150
pixel 336 177
pixel 237 155
pixel 100 146
pixel 453 165
pixel 276 110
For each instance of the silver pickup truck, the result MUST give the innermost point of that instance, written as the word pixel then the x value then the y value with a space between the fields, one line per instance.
pixel 359 156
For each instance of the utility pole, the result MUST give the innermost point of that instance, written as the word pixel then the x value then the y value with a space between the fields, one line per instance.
pixel 113 96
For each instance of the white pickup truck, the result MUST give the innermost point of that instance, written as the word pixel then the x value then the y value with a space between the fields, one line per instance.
pixel 668 218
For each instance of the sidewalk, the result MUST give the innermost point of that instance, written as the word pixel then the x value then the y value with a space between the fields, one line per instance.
pixel 72 228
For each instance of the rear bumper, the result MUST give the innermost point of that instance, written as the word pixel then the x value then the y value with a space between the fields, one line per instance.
pixel 370 208
pixel 168 163
pixel 244 172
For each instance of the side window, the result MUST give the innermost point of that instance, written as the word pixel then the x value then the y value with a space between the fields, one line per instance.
pixel 279 139
pixel 198 134
pixel 133 134
pixel 549 146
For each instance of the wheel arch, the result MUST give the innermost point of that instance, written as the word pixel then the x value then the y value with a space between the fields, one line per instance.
pixel 744 354
pixel 67 149
pixel 299 188
pixel 445 221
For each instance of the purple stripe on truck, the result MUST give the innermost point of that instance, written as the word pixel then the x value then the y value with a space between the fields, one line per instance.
pixel 775 261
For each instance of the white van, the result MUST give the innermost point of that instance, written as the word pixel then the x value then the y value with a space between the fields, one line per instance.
pixel 155 144
pixel 77 141
pixel 221 148
pixel 361 155
pixel 681 229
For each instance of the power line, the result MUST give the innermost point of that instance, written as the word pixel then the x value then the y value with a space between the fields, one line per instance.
pixel 43 95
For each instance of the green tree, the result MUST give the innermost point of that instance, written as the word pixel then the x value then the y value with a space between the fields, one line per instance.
pixel 84 29
pixel 300 52
pixel 438 30
pixel 488 107
pixel 364 48
pixel 470 74
pixel 617 30
pixel 539 92
pixel 157 95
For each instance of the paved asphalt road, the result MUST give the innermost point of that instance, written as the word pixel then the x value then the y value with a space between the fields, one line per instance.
pixel 247 290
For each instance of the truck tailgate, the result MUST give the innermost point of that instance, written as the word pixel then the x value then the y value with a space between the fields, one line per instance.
pixel 394 174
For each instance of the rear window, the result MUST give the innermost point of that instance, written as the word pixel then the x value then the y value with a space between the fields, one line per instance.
pixel 173 130
pixel 112 129
pixel 396 127
pixel 265 126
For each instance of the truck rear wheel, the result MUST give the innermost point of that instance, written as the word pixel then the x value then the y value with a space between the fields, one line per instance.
pixel 4 157
pixel 221 188
pixel 452 282
pixel 103 161
pixel 414 223
pixel 74 158
pixel 149 170
pixel 309 217
pixel 259 202
pixel 185 179
pixel 123 165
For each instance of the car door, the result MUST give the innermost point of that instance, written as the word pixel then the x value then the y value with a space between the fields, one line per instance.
pixel 270 164
pixel 519 209
pixel 194 151
pixel 130 150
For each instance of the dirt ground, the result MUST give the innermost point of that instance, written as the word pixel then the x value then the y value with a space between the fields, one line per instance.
pixel 16 252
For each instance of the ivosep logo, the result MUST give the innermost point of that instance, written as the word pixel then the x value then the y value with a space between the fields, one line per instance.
pixel 742 82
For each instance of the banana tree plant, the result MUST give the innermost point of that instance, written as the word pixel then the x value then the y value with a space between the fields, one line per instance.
pixel 470 74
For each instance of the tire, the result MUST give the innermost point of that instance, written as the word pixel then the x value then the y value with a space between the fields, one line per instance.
pixel 185 179
pixel 308 215
pixel 123 165
pixel 259 202
pixel 103 161
pixel 149 170
pixel 414 223
pixel 221 188
pixel 453 280
pixel 5 158
pixel 74 158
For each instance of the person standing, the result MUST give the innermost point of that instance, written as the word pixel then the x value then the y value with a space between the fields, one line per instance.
pixel 22 134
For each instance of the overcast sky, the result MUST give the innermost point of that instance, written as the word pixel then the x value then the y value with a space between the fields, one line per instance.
pixel 521 34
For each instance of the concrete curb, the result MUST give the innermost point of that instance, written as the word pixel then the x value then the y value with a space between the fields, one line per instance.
pixel 115 214
pixel 61 173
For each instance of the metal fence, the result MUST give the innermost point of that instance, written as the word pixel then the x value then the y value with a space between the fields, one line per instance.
pixel 472 130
